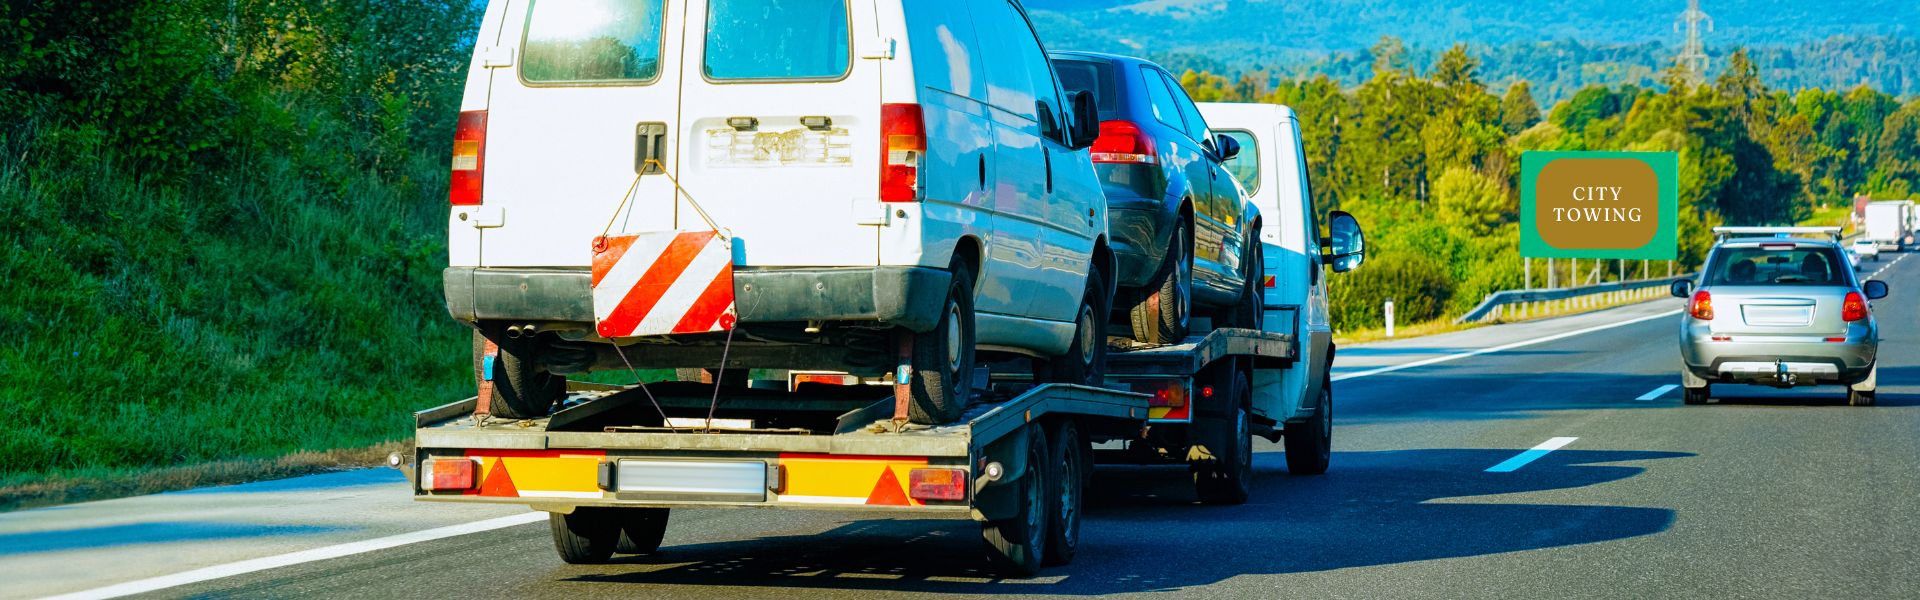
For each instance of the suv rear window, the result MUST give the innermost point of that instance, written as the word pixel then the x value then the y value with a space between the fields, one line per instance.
pixel 1096 76
pixel 777 39
pixel 592 41
pixel 1778 265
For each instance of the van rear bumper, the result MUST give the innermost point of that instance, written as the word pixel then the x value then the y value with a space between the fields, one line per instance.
pixel 909 297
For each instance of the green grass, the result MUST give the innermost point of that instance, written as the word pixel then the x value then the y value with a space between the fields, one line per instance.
pixel 250 311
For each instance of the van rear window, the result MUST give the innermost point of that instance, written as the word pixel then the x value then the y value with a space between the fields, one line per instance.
pixel 777 39
pixel 592 41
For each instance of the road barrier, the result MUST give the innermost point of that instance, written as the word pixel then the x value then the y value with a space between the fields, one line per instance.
pixel 1519 304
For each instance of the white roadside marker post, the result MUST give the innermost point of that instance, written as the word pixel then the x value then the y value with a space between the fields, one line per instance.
pixel 1389 313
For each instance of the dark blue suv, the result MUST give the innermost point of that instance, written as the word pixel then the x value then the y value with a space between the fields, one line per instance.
pixel 1182 227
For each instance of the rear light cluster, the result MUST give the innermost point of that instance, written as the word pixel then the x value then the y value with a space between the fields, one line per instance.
pixel 469 158
pixel 448 474
pixel 1123 142
pixel 1171 394
pixel 903 141
pixel 937 484
pixel 1854 307
pixel 1702 306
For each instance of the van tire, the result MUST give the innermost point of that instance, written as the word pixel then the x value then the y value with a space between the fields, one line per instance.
pixel 588 536
pixel 641 530
pixel 1085 362
pixel 942 382
pixel 1016 545
pixel 1309 444
pixel 1161 313
pixel 521 388
pixel 1226 479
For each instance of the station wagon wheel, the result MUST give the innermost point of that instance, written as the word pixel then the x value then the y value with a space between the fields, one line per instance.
pixel 1160 314
pixel 1697 395
pixel 1015 545
pixel 942 381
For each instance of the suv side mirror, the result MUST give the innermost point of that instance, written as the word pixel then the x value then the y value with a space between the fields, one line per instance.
pixel 1681 289
pixel 1086 121
pixel 1226 147
pixel 1875 289
pixel 1345 246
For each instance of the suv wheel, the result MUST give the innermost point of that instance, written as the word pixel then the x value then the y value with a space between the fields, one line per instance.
pixel 1161 313
pixel 1697 395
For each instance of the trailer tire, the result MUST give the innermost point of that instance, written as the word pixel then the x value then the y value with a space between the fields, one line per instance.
pixel 1309 443
pixel 641 530
pixel 1015 546
pixel 521 388
pixel 1161 312
pixel 588 536
pixel 1227 478
pixel 1086 360
pixel 942 381
pixel 1071 458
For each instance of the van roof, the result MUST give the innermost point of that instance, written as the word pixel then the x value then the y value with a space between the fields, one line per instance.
pixel 1246 110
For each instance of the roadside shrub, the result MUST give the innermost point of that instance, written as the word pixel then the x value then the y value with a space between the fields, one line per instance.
pixel 1419 287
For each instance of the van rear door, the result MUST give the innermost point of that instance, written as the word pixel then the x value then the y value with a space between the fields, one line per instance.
pixel 592 88
pixel 780 129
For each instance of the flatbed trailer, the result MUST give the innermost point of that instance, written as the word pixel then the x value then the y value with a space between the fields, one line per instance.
pixel 613 460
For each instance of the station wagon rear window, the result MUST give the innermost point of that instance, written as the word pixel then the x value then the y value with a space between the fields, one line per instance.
pixel 1782 264
pixel 592 41
pixel 777 39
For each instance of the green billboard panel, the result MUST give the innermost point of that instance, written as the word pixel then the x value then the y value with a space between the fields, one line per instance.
pixel 1599 205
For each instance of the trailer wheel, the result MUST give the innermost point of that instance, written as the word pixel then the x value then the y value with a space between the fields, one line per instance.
pixel 1309 443
pixel 1015 546
pixel 1160 314
pixel 641 530
pixel 521 388
pixel 1227 478
pixel 1085 362
pixel 1070 461
pixel 943 358
pixel 586 537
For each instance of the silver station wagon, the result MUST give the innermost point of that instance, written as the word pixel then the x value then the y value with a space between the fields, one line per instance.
pixel 1771 309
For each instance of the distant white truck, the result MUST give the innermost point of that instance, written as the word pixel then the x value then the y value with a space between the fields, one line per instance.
pixel 1890 224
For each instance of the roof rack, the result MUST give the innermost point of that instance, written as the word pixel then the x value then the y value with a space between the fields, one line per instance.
pixel 1721 234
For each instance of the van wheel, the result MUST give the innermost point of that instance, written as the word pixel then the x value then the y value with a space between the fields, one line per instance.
pixel 641 530
pixel 1085 362
pixel 521 388
pixel 943 358
pixel 1015 546
pixel 1228 477
pixel 1160 315
pixel 1071 458
pixel 1309 444
pixel 586 537
pixel 1245 313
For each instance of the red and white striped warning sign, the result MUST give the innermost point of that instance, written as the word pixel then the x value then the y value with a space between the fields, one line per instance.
pixel 662 283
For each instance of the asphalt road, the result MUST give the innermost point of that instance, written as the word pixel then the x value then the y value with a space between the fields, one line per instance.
pixel 1765 493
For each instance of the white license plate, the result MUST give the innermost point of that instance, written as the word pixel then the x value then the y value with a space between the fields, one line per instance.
pixel 717 481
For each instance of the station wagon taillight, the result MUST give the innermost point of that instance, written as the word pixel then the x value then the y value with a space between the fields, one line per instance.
pixel 469 158
pixel 1854 307
pixel 1122 142
pixel 1702 306
pixel 903 141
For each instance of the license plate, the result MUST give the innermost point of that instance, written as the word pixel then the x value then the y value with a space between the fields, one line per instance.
pixel 713 481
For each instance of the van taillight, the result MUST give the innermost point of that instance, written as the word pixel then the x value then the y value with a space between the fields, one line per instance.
pixel 1853 308
pixel 903 140
pixel 469 157
pixel 1702 306
pixel 1122 142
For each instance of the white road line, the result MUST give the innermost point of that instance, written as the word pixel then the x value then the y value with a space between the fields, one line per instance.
pixel 1521 459
pixel 142 586
pixel 1502 348
pixel 1657 392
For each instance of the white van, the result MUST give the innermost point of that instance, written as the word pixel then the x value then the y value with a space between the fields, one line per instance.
pixel 851 155
pixel 1272 169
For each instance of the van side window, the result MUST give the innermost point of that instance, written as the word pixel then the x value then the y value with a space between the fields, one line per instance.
pixel 592 41
pixel 1245 166
pixel 1162 100
pixel 777 39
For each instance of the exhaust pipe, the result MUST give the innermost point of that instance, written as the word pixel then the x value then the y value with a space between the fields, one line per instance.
pixel 513 332
pixel 521 331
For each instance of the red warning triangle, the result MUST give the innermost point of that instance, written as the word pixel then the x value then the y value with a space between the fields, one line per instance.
pixel 499 482
pixel 887 492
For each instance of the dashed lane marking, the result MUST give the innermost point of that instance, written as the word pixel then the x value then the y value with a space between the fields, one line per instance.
pixel 1521 460
pixel 1657 392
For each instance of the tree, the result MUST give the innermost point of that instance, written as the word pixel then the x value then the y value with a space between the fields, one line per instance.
pixel 1518 111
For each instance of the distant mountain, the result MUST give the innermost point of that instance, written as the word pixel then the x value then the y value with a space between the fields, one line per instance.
pixel 1568 43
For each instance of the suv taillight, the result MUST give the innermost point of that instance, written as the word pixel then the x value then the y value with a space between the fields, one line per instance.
pixel 1854 307
pixel 469 158
pixel 1702 306
pixel 1123 142
pixel 903 140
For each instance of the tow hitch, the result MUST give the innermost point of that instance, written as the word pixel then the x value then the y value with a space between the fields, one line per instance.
pixel 1785 377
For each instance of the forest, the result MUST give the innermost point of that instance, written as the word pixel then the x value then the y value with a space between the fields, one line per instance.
pixel 225 219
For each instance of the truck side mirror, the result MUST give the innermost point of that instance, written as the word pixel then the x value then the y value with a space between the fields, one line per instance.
pixel 1086 120
pixel 1681 289
pixel 1345 246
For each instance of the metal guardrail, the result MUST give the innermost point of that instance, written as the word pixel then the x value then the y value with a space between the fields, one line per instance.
pixel 1498 303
